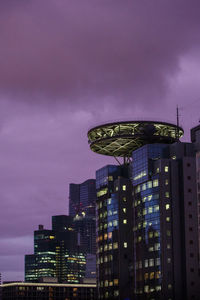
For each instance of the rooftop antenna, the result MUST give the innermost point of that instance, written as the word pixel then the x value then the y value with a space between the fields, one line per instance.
pixel 177 123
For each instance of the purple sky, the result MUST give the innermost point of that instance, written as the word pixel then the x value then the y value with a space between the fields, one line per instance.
pixel 66 66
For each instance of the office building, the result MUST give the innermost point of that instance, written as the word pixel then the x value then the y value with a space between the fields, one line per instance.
pixel 56 253
pixel 48 291
pixel 82 198
pixel 161 212
pixel 85 226
pixel 114 235
pixel 195 138
pixel 82 201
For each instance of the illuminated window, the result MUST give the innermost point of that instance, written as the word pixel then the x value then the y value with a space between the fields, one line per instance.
pixel 144 187
pixel 150 234
pixel 109 235
pixel 166 169
pixel 144 224
pixel 146 288
pixel 124 199
pixel 115 223
pixel 125 245
pixel 166 181
pixel 125 221
pixel 158 261
pixel 146 263
pixel 139 238
pixel 169 286
pixel 168 246
pixel 167 206
pixel 168 260
pixel 167 219
pixel 105 236
pixel 137 190
pixel 156 208
pixel 106 283
pixel 157 170
pixel 110 178
pixel 105 258
pixel 157 246
pixel 116 293
pixel 146 276
pixel 124 209
pixel 116 281
pixel 155 183
pixel 124 187
pixel 111 283
pixel 167 194
pixel 150 209
pixel 168 233
pixel 116 189
pixel 149 183
pixel 158 274
pixel 158 288
pixel 144 212
pixel 110 246
pixel 109 201
pixel 115 245
pixel 151 275
pixel 105 247
pixel 110 224
pixel 151 262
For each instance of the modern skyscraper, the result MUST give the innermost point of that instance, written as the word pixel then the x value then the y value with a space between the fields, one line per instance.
pixel 114 235
pixel 195 138
pixel 56 253
pixel 82 198
pixel 161 213
pixel 82 201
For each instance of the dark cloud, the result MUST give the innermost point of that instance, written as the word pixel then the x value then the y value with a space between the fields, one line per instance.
pixel 74 51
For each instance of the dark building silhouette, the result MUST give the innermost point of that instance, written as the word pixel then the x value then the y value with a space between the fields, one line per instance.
pixel 48 291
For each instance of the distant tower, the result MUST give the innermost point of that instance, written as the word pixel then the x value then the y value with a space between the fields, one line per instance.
pixel 82 198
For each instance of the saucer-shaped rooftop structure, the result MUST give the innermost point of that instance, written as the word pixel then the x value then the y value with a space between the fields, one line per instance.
pixel 120 139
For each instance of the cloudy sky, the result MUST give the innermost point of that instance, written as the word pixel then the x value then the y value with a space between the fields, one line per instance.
pixel 66 66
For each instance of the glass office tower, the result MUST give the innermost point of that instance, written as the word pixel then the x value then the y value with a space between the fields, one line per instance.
pixel 56 253
pixel 114 234
pixel 165 222
pixel 82 198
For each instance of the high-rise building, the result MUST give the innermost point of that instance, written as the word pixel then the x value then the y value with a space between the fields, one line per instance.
pixel 195 138
pixel 82 198
pixel 82 201
pixel 159 224
pixel 56 253
pixel 114 235
pixel 165 222
pixel 85 226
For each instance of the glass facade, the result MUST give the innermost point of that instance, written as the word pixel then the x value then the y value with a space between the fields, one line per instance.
pixel 56 253
pixel 147 245
pixel 114 203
